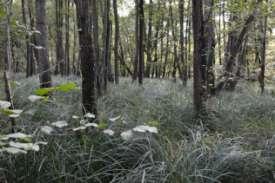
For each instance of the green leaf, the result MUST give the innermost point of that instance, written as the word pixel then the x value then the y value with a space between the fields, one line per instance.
pixel 102 125
pixel 66 87
pixel 44 91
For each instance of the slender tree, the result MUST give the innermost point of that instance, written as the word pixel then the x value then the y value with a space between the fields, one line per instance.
pixel 8 59
pixel 116 44
pixel 106 44
pixel 42 44
pixel 60 55
pixel 86 55
pixel 140 40
pixel 209 39
pixel 263 30
pixel 199 47
pixel 67 38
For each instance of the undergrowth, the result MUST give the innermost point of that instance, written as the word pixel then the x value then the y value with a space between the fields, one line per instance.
pixel 234 145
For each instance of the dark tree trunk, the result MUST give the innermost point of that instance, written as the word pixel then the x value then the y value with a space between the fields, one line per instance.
pixel 28 20
pixel 209 36
pixel 233 47
pixel 263 30
pixel 199 71
pixel 86 55
pixel 135 61
pixel 149 40
pixel 116 44
pixel 42 44
pixel 60 56
pixel 8 60
pixel 67 38
pixel 182 48
pixel 139 57
pixel 107 42
pixel 99 64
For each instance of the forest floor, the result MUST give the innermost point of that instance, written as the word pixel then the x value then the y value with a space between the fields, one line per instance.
pixel 234 143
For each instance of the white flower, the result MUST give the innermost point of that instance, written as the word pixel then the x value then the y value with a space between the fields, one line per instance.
pixel 25 146
pixel 75 117
pixel 16 136
pixel 91 125
pixel 47 130
pixel 16 111
pixel 41 143
pixel 60 124
pixel 13 150
pixel 109 132
pixel 79 128
pixel 144 129
pixel 4 104
pixel 83 122
pixel 34 98
pixel 14 115
pixel 89 115
pixel 84 126
pixel 115 118
pixel 127 135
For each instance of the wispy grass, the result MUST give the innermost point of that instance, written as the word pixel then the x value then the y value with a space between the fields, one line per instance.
pixel 236 146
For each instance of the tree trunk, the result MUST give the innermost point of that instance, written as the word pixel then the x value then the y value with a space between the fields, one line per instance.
pixel 209 36
pixel 60 56
pixel 116 44
pixel 233 47
pixel 67 38
pixel 86 56
pixel 149 40
pixel 263 30
pixel 107 40
pixel 42 45
pixel 8 60
pixel 182 48
pixel 99 64
pixel 198 36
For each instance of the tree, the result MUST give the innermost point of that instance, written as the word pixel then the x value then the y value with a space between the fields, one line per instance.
pixel 117 39
pixel 209 39
pixel 149 39
pixel 67 38
pixel 95 33
pixel 199 58
pixel 8 59
pixel 60 55
pixel 182 48
pixel 263 36
pixel 30 67
pixel 86 55
pixel 42 44
pixel 233 47
pixel 139 39
pixel 107 45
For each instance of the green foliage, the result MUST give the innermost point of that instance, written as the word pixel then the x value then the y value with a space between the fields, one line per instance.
pixel 238 149
pixel 62 88
pixel 44 91
pixel 66 87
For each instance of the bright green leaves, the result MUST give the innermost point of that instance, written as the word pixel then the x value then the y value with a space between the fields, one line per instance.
pixel 67 87
pixel 44 91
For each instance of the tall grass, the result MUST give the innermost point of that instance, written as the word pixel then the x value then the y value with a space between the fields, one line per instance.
pixel 234 144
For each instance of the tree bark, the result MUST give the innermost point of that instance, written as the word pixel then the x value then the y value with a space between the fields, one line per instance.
pixel 60 56
pixel 116 44
pixel 42 45
pixel 86 56
pixel 107 42
pixel 199 71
